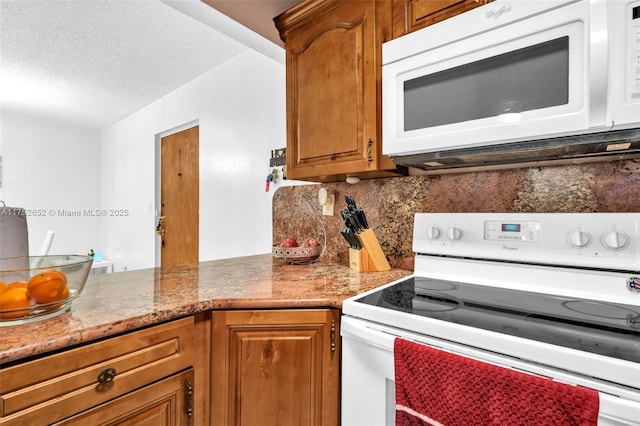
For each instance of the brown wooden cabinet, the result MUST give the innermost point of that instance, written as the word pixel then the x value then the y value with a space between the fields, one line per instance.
pixel 275 367
pixel 137 378
pixel 333 68
pixel 412 15
pixel 245 367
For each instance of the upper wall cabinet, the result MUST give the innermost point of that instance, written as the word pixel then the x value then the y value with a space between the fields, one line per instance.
pixel 411 15
pixel 333 68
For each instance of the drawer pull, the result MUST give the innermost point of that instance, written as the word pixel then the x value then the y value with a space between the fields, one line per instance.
pixel 107 375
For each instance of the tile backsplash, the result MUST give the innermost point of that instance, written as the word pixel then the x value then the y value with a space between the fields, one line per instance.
pixel 391 203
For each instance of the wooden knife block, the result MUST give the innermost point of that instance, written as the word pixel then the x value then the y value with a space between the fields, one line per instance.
pixel 360 261
pixel 370 257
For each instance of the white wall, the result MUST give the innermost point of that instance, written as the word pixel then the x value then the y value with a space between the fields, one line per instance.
pixel 52 171
pixel 240 108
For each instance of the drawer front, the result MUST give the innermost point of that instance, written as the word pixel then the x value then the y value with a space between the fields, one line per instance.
pixel 53 387
pixel 167 402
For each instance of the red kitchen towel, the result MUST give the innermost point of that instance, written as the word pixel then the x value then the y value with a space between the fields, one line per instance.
pixel 435 387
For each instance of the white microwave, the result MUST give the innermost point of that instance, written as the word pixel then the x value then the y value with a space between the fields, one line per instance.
pixel 515 76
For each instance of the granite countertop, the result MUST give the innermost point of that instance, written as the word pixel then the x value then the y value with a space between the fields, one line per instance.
pixel 123 301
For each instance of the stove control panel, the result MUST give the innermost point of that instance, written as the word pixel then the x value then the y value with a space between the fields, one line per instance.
pixel 597 240
pixel 512 231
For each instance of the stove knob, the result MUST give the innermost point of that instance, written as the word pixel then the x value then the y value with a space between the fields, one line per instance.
pixel 579 239
pixel 615 240
pixel 454 234
pixel 433 233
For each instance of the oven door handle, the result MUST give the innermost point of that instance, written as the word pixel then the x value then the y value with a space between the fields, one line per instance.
pixel 357 330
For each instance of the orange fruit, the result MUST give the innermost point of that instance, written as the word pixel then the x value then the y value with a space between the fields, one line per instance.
pixel 59 273
pixel 47 287
pixel 3 286
pixel 65 293
pixel 16 284
pixel 53 306
pixel 14 298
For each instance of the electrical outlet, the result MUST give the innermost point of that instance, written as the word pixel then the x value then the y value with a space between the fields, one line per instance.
pixel 329 204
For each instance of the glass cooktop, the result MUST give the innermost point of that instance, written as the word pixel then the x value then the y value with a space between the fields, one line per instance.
pixel 602 328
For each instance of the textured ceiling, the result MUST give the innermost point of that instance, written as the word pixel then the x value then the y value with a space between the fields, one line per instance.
pixel 94 62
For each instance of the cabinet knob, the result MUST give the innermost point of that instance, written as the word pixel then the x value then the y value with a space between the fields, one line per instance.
pixel 107 375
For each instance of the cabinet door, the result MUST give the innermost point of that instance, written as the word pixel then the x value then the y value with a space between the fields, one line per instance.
pixel 333 68
pixel 168 402
pixel 418 14
pixel 275 367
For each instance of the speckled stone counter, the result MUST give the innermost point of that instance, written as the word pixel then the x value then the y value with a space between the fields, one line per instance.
pixel 114 303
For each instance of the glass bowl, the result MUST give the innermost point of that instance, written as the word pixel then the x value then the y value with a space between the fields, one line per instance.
pixel 297 255
pixel 49 293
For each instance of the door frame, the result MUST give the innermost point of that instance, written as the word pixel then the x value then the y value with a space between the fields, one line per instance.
pixel 158 172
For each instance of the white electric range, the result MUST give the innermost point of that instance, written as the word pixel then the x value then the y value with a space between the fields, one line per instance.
pixel 552 294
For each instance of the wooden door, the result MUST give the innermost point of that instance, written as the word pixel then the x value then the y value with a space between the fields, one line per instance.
pixel 275 367
pixel 179 197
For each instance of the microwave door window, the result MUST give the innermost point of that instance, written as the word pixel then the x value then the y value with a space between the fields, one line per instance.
pixel 526 79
